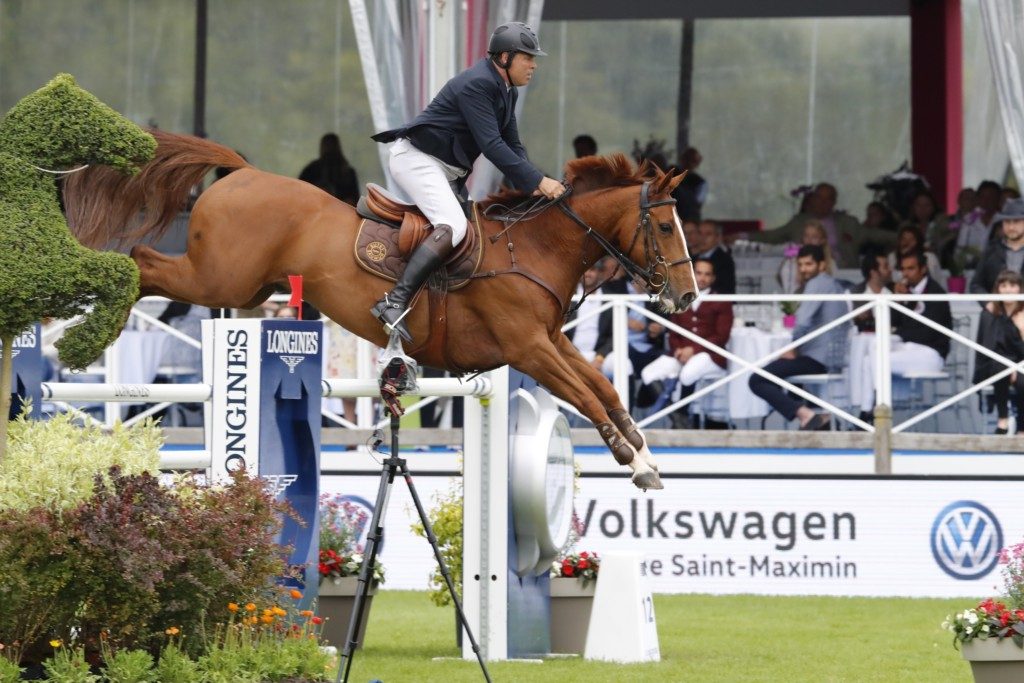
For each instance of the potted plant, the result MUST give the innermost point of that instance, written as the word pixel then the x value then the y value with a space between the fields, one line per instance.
pixel 789 314
pixel 341 559
pixel 991 635
pixel 573 580
pixel 964 258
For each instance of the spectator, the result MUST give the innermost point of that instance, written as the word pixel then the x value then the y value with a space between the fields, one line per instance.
pixel 592 337
pixel 691 193
pixel 875 268
pixel 646 337
pixel 1004 254
pixel 878 216
pixel 920 347
pixel 908 241
pixel 931 224
pixel 688 361
pixel 584 146
pixel 789 274
pixel 714 250
pixel 1010 193
pixel 999 329
pixel 974 231
pixel 845 235
pixel 966 202
pixel 691 234
pixel 331 171
pixel 815 354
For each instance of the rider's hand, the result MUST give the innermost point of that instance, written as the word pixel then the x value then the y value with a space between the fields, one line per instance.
pixel 550 188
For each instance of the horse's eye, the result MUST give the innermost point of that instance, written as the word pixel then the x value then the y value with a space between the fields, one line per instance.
pixel 666 228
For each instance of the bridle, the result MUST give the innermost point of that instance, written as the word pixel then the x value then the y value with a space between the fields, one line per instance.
pixel 655 276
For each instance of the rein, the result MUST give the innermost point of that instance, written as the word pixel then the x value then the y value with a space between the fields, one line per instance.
pixel 653 279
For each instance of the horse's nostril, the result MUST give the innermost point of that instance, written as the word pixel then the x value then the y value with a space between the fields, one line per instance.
pixel 688 299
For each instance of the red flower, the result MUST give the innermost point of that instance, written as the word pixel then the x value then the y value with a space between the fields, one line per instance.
pixel 584 563
pixel 584 555
pixel 567 568
pixel 317 620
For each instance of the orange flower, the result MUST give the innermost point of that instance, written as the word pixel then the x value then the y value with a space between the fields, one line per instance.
pixel 296 595
pixel 267 619
pixel 306 613
pixel 173 631
pixel 251 607
pixel 232 606
pixel 254 620
pixel 279 612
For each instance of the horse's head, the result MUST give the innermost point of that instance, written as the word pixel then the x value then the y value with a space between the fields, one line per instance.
pixel 61 125
pixel 647 230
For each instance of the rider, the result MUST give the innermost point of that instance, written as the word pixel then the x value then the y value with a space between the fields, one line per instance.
pixel 473 114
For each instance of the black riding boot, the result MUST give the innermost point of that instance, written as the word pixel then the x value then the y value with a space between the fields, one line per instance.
pixel 429 255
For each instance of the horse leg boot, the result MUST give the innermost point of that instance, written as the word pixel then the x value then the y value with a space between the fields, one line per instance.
pixel 428 257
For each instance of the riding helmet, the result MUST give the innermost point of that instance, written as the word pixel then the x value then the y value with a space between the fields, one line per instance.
pixel 515 36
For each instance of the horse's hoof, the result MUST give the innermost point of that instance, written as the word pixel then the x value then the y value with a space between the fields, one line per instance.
pixel 647 480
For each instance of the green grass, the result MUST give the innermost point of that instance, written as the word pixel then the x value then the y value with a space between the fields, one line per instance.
pixel 702 637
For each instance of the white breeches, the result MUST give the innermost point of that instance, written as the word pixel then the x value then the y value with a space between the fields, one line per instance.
pixel 428 183
pixel 667 367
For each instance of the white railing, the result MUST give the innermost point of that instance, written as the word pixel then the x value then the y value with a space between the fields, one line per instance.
pixel 621 306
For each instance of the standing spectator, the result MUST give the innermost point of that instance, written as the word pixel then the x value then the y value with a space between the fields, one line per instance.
pixel 815 354
pixel 1004 254
pixel 999 329
pixel 593 335
pixel 331 172
pixel 844 233
pixel 931 224
pixel 877 216
pixel 974 231
pixel 715 251
pixel 691 193
pixel 908 241
pixel 874 266
pixel 584 146
pixel 687 360
pixel 920 348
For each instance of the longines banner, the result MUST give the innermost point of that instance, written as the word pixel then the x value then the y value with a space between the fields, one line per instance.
pixel 797 536
pixel 810 536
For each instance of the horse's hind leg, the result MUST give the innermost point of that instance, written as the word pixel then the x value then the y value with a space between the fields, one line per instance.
pixel 176 277
pixel 547 364
pixel 609 398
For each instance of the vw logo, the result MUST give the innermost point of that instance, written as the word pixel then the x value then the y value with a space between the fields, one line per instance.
pixel 966 539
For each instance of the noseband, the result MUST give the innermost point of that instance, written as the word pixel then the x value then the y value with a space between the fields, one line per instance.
pixel 655 276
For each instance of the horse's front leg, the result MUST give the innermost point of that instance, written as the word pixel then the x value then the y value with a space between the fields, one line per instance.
pixel 551 367
pixel 609 398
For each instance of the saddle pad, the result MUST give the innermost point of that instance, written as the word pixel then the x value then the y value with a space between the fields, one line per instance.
pixel 377 252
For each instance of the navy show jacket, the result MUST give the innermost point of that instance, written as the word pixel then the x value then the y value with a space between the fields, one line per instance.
pixel 473 114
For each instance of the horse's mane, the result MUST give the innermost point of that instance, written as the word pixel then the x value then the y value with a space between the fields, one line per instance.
pixel 592 173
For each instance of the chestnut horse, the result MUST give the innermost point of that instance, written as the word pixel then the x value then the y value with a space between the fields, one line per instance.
pixel 251 229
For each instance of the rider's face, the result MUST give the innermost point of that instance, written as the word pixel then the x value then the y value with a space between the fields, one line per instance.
pixel 521 70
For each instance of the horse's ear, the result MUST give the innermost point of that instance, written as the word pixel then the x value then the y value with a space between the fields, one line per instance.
pixel 671 181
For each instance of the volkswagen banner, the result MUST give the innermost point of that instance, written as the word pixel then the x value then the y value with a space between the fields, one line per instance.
pixel 809 536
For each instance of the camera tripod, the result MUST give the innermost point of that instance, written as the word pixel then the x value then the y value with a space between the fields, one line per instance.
pixel 396 378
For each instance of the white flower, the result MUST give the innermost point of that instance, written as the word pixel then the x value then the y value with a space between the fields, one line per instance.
pixel 971 616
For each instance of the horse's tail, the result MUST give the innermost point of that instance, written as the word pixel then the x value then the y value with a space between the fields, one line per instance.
pixel 103 205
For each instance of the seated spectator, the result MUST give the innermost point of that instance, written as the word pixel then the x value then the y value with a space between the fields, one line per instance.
pixel 593 336
pixel 920 348
pixel 844 233
pixel 813 355
pixel 931 224
pixel 975 230
pixel 999 329
pixel 877 216
pixel 877 276
pixel 714 250
pixel 584 146
pixel 646 337
pixel 908 241
pixel 1006 253
pixel 789 275
pixel 687 361
pixel 691 193
pixel 966 203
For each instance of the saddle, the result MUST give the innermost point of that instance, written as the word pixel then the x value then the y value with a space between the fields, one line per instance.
pixel 391 231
